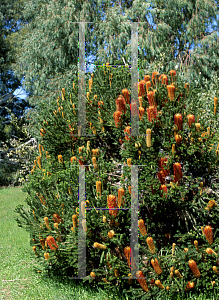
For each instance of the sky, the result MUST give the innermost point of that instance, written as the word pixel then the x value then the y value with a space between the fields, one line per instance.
pixel 91 58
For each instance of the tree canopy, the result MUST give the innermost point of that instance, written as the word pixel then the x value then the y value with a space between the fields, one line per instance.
pixel 47 43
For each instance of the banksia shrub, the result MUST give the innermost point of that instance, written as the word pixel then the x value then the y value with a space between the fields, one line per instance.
pixel 170 168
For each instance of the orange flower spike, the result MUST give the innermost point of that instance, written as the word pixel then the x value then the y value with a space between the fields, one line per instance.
pixel 215 101
pixel 177 171
pixel 142 227
pixel 141 112
pixel 186 86
pixel 171 91
pixel 159 284
pixel 120 195
pixel 190 285
pixel 151 113
pixel 127 131
pixel 210 251
pixel 150 243
pixel 141 89
pixel 120 104
pixel 215 270
pixel 148 85
pixel 142 281
pixel 60 159
pixel 112 203
pixel 164 79
pixel 46 220
pixel 156 266
pixel 147 78
pixel 178 121
pixel 98 187
pixel 126 95
pixel 129 161
pixel 46 255
pixel 51 242
pixel 191 119
pixel 111 233
pixel 155 77
pixel 194 268
pixel 208 234
pixel 73 158
pixel 117 118
pixel 150 96
pixel 127 254
pixel 178 139
pixel 164 188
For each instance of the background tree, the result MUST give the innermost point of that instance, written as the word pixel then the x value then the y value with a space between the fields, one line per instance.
pixel 12 108
pixel 47 52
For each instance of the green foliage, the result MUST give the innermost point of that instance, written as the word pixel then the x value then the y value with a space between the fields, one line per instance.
pixel 173 217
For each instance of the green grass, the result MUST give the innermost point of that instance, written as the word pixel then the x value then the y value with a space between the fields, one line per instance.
pixel 17 278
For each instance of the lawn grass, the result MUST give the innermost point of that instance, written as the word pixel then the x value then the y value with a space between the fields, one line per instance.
pixel 17 278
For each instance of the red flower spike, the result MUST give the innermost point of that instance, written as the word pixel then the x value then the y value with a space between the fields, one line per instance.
pixel 191 119
pixel 51 242
pixel 121 141
pixel 120 104
pixel 164 79
pixel 162 164
pixel 190 285
pixel 100 104
pixel 178 121
pixel 152 113
pixel 155 77
pixel 164 188
pixel 56 218
pixel 151 100
pixel 172 73
pixel 161 176
pixel 141 89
